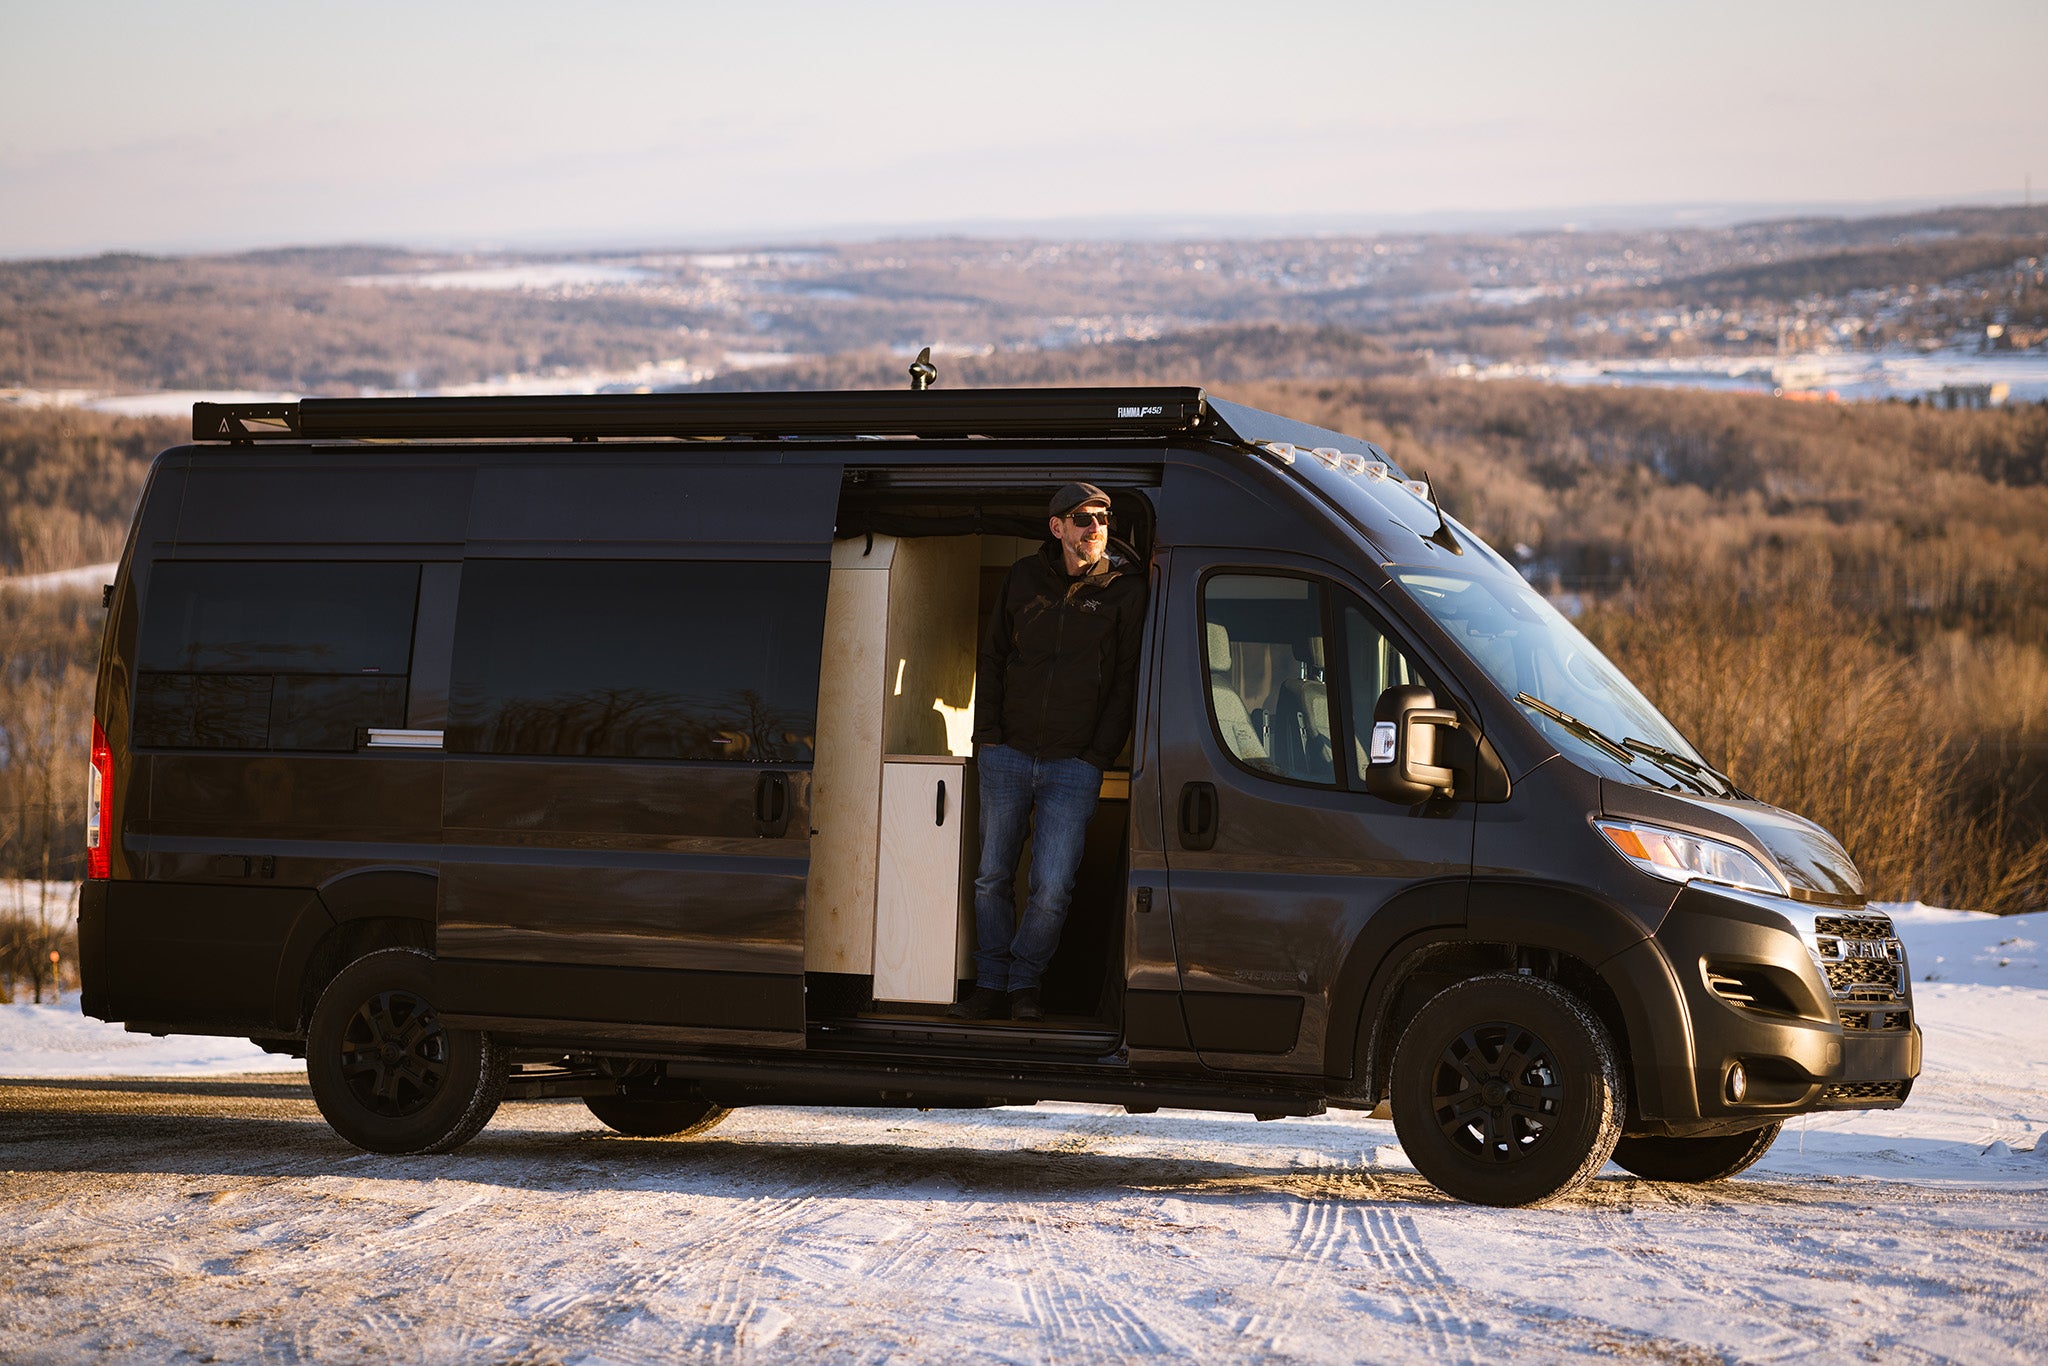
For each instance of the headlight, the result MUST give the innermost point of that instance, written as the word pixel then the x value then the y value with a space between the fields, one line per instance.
pixel 1679 857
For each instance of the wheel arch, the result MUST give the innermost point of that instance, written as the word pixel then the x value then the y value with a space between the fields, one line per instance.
pixel 357 913
pixel 1562 934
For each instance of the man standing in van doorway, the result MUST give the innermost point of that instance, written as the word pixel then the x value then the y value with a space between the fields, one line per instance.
pixel 1054 692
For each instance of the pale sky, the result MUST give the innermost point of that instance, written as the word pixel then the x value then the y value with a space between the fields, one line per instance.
pixel 203 124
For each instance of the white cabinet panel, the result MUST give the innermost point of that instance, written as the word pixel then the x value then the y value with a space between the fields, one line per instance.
pixel 923 877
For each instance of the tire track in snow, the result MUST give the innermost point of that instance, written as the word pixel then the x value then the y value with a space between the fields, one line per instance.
pixel 664 1286
pixel 1072 1307
pixel 1390 1237
pixel 1339 1208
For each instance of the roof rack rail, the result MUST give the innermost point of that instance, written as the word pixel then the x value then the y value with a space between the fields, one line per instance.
pixel 1107 412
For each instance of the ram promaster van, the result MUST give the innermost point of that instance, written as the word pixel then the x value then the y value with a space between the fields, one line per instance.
pixel 619 748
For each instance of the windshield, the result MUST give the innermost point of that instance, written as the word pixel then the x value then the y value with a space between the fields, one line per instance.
pixel 1531 652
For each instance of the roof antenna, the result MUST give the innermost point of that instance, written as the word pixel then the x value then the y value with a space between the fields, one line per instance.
pixel 1442 535
pixel 923 374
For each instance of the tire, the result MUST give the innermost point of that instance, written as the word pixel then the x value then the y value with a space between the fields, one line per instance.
pixel 638 1118
pixel 1506 1091
pixel 386 1073
pixel 1693 1160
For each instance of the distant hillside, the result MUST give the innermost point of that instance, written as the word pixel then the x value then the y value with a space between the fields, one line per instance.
pixel 1918 265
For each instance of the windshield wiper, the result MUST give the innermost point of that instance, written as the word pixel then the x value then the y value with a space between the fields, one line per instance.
pixel 1628 751
pixel 1576 727
pixel 1679 764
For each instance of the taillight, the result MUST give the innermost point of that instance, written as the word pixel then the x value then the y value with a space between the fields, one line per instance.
pixel 99 796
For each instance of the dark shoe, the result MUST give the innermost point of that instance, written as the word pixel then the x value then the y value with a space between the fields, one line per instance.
pixel 1024 1005
pixel 982 1003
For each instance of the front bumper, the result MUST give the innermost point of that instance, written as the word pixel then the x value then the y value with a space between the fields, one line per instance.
pixel 1806 1035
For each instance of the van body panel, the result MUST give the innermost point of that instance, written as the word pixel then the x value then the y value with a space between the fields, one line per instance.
pixel 1659 1034
pixel 199 957
pixel 1265 918
pixel 758 509
pixel 230 798
pixel 587 823
pixel 364 892
pixel 762 1007
pixel 251 500
pixel 1364 991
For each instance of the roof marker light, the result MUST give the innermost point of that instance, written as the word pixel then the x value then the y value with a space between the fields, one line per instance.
pixel 1282 451
pixel 1329 455
pixel 1352 464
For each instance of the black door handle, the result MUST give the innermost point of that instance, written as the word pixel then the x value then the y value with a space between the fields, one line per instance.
pixel 940 818
pixel 771 805
pixel 1198 816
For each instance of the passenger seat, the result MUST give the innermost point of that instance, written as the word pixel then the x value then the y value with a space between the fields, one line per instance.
pixel 1232 720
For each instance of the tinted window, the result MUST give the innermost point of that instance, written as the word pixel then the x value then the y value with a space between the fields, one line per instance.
pixel 263 655
pixel 638 659
pixel 267 618
pixel 1266 659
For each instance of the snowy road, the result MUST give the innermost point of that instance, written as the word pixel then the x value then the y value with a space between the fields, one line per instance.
pixel 216 1218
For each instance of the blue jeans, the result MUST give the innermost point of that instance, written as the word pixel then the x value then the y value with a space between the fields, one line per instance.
pixel 1050 800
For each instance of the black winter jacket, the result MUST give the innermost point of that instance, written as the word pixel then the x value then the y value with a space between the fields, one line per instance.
pixel 1058 675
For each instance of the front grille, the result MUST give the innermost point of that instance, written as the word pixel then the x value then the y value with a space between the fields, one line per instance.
pixel 1861 956
pixel 1852 1091
pixel 1897 1019
pixel 1859 1021
pixel 1854 926
pixel 1855 976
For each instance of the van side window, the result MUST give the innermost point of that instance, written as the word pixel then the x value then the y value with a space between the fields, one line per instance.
pixel 1268 694
pixel 1372 664
pixel 267 655
pixel 632 659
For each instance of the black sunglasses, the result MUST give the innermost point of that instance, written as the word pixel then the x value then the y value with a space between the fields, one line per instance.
pixel 1089 518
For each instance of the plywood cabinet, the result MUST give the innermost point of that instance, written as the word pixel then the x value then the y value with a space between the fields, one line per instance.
pixel 924 877
pixel 898 680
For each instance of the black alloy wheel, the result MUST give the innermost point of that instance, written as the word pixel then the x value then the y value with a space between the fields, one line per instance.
pixel 387 1073
pixel 394 1054
pixel 1506 1091
pixel 1495 1091
pixel 1655 1157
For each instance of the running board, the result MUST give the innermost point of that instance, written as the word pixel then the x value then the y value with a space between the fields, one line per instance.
pixel 972 1039
pixel 967 1082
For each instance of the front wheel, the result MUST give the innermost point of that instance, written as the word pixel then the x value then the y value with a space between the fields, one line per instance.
pixel 640 1118
pixel 388 1075
pixel 1506 1091
pixel 1693 1160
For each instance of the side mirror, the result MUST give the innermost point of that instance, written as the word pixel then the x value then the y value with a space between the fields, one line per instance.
pixel 1401 760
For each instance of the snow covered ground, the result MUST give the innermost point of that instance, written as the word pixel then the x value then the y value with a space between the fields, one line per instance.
pixel 216 1217
pixel 1848 375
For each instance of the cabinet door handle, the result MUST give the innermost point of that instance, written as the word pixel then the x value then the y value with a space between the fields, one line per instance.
pixel 941 817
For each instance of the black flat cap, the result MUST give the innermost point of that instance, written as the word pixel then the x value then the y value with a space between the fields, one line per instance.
pixel 1074 496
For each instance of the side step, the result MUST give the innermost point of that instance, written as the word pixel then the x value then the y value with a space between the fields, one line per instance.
pixel 983 1039
pixel 953 1083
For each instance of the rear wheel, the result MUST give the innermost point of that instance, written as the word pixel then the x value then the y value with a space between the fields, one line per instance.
pixel 1692 1160
pixel 641 1118
pixel 1506 1091
pixel 387 1074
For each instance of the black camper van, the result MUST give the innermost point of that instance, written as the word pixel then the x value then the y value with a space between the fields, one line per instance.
pixel 619 747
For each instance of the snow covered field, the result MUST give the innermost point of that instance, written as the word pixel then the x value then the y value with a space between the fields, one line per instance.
pixel 1849 375
pixel 216 1217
